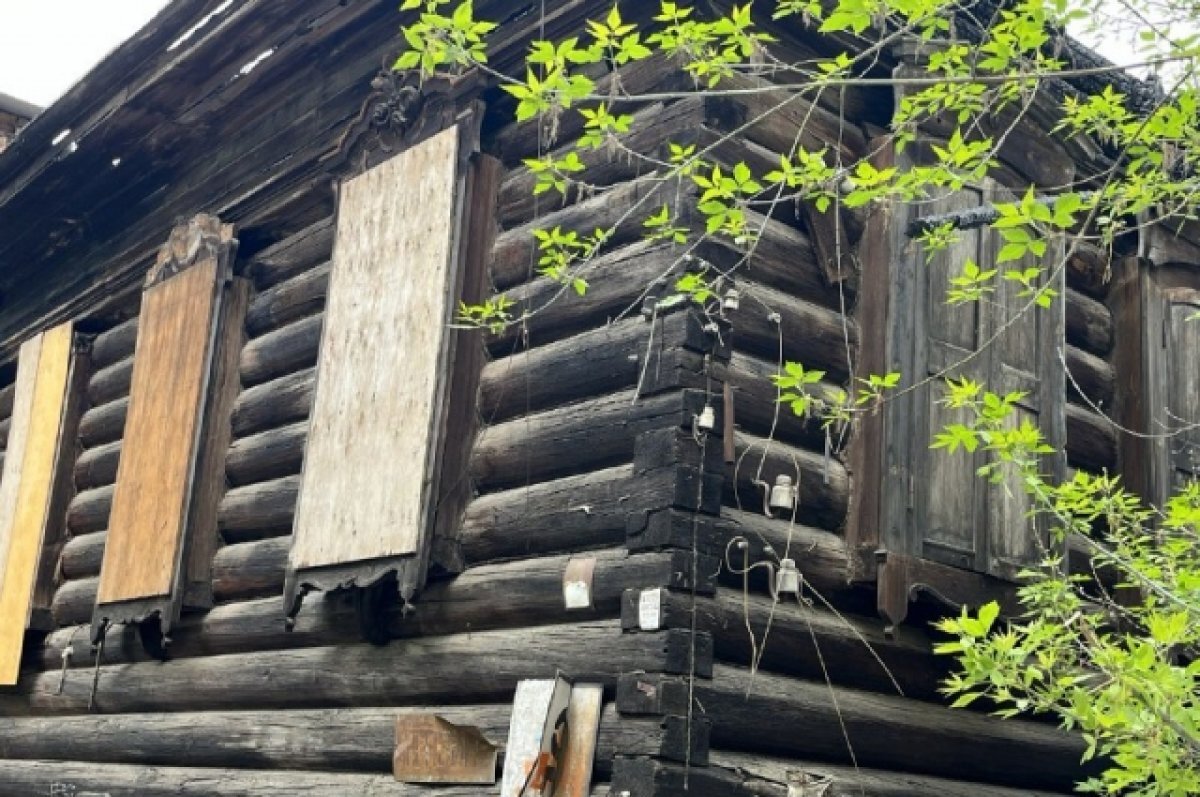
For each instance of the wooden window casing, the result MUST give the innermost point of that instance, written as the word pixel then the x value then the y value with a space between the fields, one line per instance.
pixel 1171 378
pixel 162 526
pixel 390 378
pixel 940 525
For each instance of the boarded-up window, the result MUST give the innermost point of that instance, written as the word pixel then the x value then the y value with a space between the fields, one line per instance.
pixel 364 509
pixel 935 505
pixel 176 369
pixel 33 490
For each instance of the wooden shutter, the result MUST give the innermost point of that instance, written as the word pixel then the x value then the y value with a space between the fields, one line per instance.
pixel 33 490
pixel 183 311
pixel 364 508
pixel 1181 342
pixel 939 509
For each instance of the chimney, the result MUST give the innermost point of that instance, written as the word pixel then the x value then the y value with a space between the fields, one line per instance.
pixel 14 114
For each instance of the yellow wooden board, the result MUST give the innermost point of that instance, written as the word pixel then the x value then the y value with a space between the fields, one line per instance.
pixel 154 479
pixel 43 374
pixel 376 410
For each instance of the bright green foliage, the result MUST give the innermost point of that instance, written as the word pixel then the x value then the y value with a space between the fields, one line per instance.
pixel 437 41
pixel 1120 671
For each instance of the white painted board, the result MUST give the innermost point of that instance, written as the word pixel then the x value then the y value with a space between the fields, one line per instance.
pixel 364 490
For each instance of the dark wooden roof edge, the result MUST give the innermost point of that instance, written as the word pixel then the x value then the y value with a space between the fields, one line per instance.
pixel 19 108
pixel 104 82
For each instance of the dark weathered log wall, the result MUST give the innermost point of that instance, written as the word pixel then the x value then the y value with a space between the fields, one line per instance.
pixel 587 449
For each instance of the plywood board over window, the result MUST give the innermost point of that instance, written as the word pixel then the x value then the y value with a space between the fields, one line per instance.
pixel 162 528
pixel 365 511
pixel 36 484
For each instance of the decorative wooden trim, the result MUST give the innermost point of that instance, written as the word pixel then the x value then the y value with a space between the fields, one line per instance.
pixel 468 355
pixel 865 455
pixel 395 569
pixel 903 578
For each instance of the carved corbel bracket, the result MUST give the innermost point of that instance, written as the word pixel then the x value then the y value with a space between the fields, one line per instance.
pixel 402 110
pixel 198 240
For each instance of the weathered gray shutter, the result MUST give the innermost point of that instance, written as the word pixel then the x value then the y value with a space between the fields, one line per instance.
pixel 1181 339
pixel 953 516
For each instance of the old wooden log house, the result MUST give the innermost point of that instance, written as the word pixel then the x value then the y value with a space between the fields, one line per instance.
pixel 269 525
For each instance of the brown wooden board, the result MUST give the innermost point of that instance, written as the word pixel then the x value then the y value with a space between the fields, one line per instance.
pixel 43 375
pixel 365 488
pixel 431 749
pixel 171 374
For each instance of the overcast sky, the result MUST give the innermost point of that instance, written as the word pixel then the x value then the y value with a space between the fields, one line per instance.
pixel 48 45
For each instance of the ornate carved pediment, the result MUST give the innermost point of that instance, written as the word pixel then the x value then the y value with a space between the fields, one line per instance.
pixel 401 111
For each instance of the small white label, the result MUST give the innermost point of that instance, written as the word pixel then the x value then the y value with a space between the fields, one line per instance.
pixel 576 595
pixel 650 610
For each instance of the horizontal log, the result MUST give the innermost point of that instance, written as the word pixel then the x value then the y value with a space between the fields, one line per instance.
pixel 123 780
pixel 302 295
pixel 1089 270
pixel 74 601
pixel 616 282
pixel 522 592
pixel 111 383
pixel 83 555
pixel 782 120
pixel 258 510
pixel 792 638
pixel 1089 323
pixel 884 732
pixel 284 351
pixel 821 556
pixel 486 667
pixel 1091 440
pixel 97 466
pixel 115 344
pixel 292 256
pixel 782 258
pixel 329 740
pixel 651 129
pixel 272 454
pixel 619 212
pixel 756 410
pixel 823 481
pixel 816 336
pixel 104 423
pixel 584 436
pixel 1091 375
pixel 573 513
pixel 88 510
pixel 281 401
pixel 588 364
pixel 249 570
pixel 767 776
